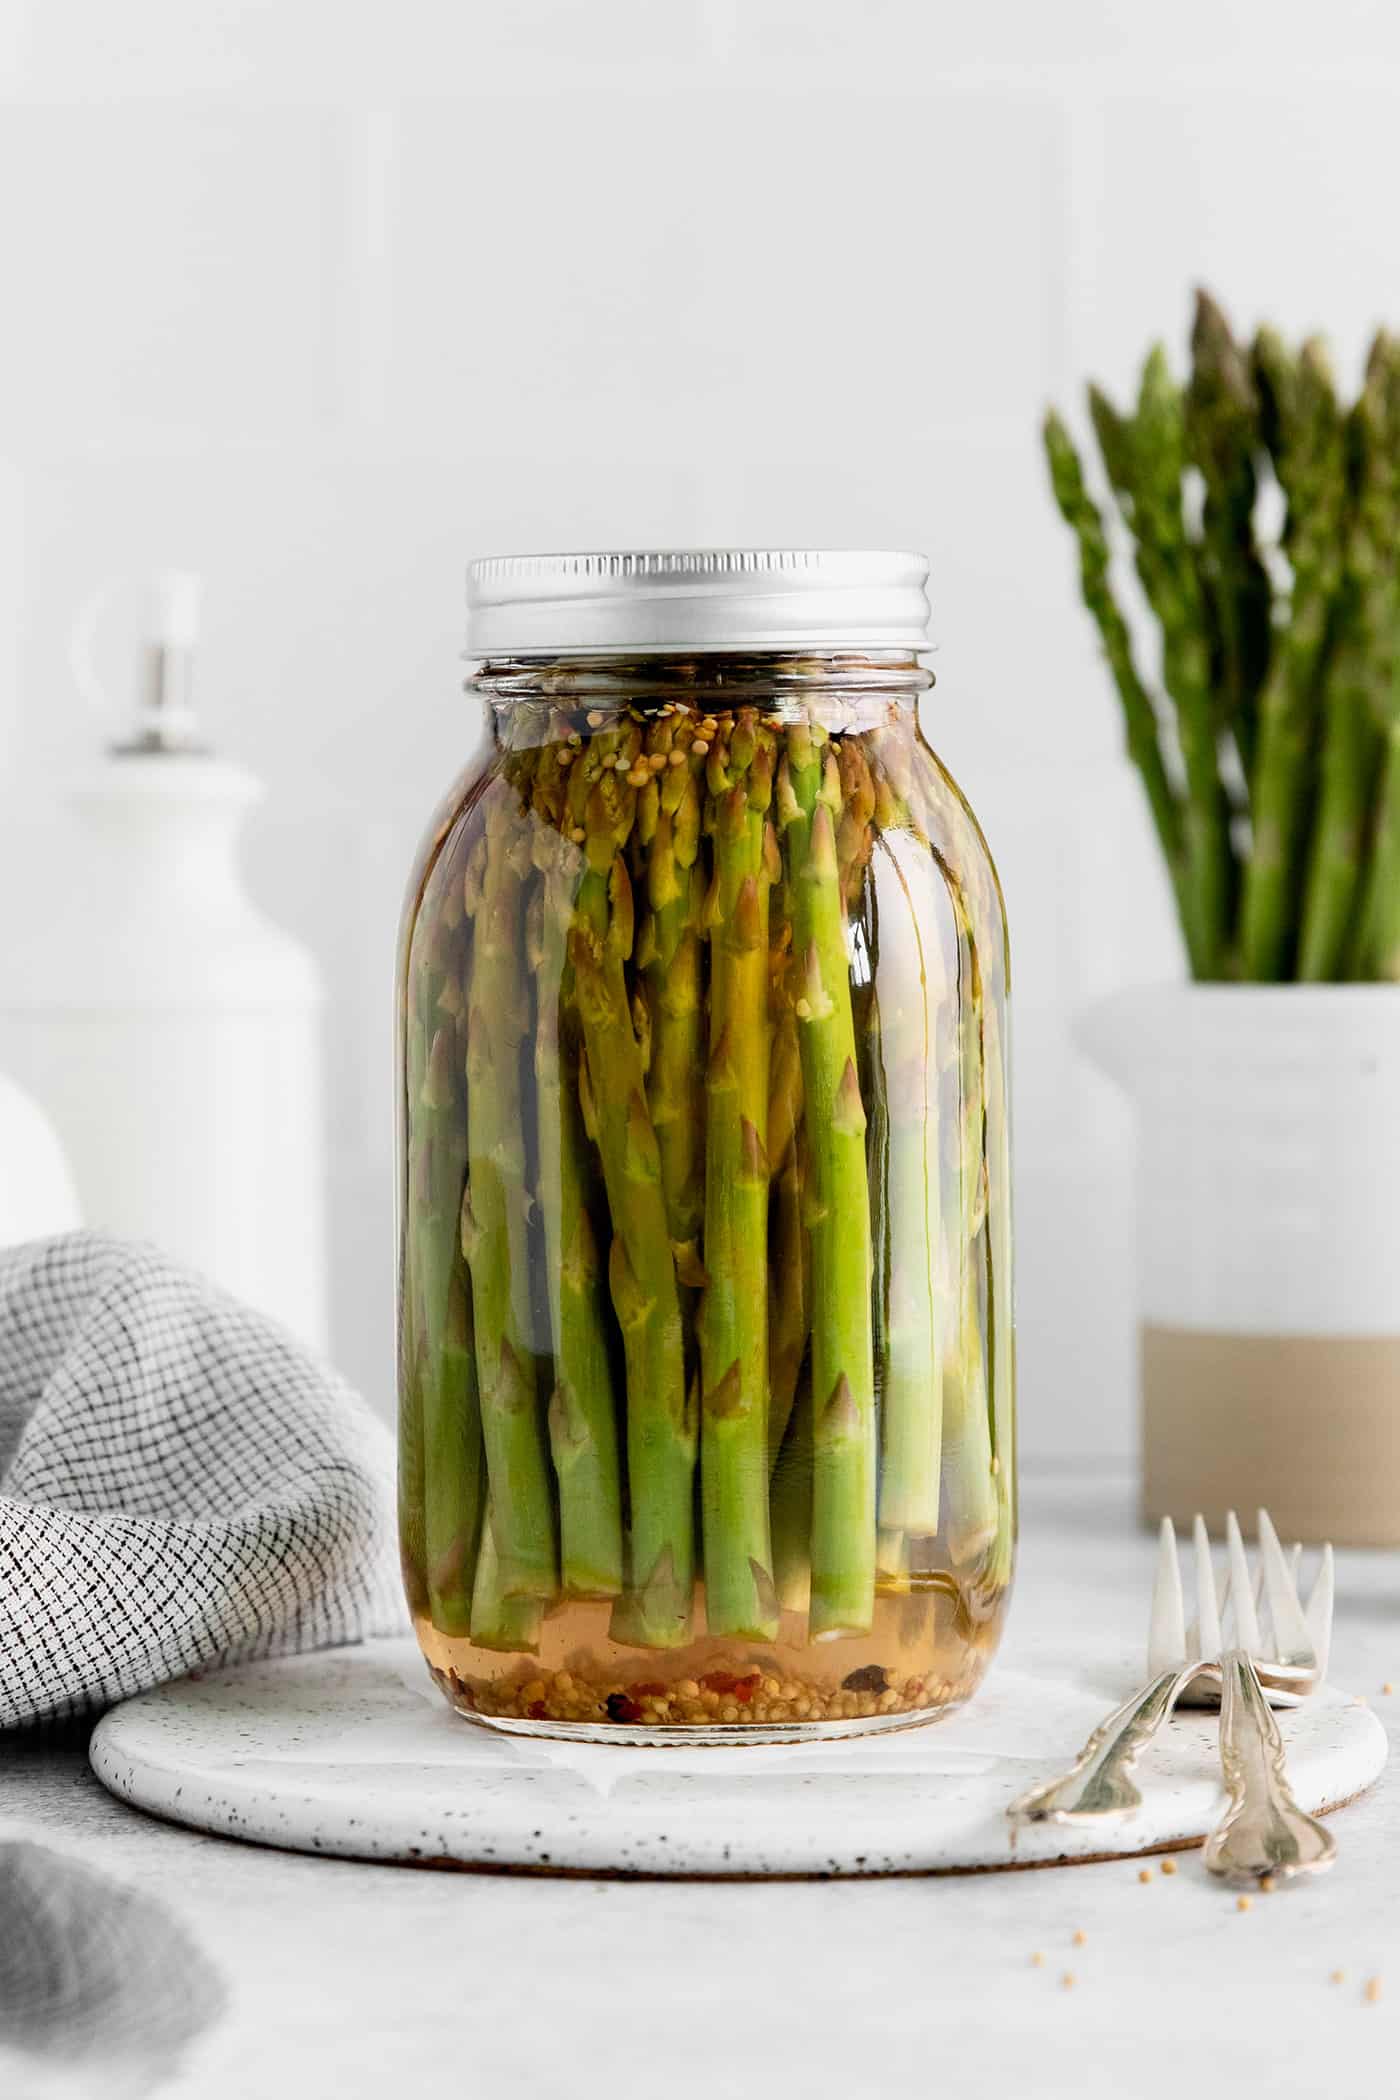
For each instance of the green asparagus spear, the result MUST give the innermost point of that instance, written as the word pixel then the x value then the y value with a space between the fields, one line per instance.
pixel 739 1592
pixel 1357 700
pixel 449 1424
pixel 500 1621
pixel 1146 458
pixel 909 989
pixel 661 1428
pixel 1139 717
pixel 495 1216
pixel 669 956
pixel 583 1431
pixel 1377 938
pixel 1309 443
pixel 1222 430
pixel 843 1375
pixel 792 1507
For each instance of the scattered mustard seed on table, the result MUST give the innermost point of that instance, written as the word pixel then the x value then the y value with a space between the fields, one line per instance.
pixel 1373 1990
pixel 1169 1866
pixel 1081 1937
pixel 1267 1884
pixel 1037 1960
pixel 1144 1873
pixel 1339 1976
pixel 1067 1981
pixel 1244 1903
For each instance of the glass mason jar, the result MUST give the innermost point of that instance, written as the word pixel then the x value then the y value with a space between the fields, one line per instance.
pixel 705 1312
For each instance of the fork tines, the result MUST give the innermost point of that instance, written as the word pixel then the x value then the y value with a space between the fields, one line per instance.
pixel 1299 1635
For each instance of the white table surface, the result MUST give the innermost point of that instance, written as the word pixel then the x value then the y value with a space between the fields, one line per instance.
pixel 355 1981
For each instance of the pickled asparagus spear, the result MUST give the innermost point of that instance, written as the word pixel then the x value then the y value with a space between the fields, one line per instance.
pixel 843 1372
pixel 909 989
pixel 583 1431
pixel 671 964
pixel 449 1425
pixel 739 1593
pixel 661 1429
pixel 500 1621
pixel 495 1215
pixel 973 1514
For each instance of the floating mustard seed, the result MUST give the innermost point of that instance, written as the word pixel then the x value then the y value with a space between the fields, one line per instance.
pixel 594 718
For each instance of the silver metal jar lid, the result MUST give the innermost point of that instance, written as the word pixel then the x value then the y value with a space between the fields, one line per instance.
pixel 696 599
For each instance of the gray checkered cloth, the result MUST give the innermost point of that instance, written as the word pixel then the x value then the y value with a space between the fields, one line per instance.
pixel 180 1483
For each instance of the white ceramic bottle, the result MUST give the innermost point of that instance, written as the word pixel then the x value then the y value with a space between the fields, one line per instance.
pixel 170 1032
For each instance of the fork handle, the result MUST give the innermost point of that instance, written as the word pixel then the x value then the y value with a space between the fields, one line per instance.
pixel 1263 1830
pixel 1098 1786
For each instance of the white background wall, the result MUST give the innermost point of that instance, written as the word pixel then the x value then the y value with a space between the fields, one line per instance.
pixel 325 296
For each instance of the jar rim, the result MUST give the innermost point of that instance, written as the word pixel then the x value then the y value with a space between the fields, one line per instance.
pixel 703 600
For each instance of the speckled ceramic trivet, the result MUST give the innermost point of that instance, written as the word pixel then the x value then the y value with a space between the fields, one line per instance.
pixel 355 1753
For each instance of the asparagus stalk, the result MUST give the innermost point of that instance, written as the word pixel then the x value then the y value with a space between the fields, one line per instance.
pixel 739 1593
pixel 843 1375
pixel 791 1501
pixel 789 1296
pixel 661 1430
pixel 413 1548
pixel 500 1620
pixel 495 1217
pixel 670 958
pixel 449 1426
pixel 453 1467
pixel 1377 937
pixel 1310 457
pixel 1081 514
pixel 1146 459
pixel 1222 429
pixel 583 1430
pixel 1357 699
pixel 909 989
pixel 973 1514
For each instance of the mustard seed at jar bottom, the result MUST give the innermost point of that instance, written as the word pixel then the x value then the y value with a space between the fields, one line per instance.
pixel 705 1312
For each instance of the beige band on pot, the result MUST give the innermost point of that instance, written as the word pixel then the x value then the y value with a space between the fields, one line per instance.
pixel 1308 1427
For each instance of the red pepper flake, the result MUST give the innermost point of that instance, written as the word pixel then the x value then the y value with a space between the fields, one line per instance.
pixel 537 1710
pixel 646 1691
pixel 745 1689
pixel 721 1681
pixel 621 1708
pixel 873 1678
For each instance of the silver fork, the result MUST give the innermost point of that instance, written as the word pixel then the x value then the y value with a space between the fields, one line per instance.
pixel 1263 1834
pixel 1182 1661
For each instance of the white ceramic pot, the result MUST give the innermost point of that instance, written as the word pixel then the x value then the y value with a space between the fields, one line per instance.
pixel 1268 1249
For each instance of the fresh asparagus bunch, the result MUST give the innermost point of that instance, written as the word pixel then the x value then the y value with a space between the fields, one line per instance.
pixel 765 1183
pixel 1266 754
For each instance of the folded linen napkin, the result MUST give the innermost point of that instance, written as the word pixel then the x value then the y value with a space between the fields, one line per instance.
pixel 180 1483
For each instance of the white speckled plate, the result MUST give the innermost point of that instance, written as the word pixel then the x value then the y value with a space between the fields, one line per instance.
pixel 355 1753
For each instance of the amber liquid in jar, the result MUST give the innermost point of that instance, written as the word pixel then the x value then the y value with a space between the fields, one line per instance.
pixel 706 1341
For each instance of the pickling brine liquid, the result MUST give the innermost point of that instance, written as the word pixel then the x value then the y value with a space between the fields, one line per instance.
pixel 925 1654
